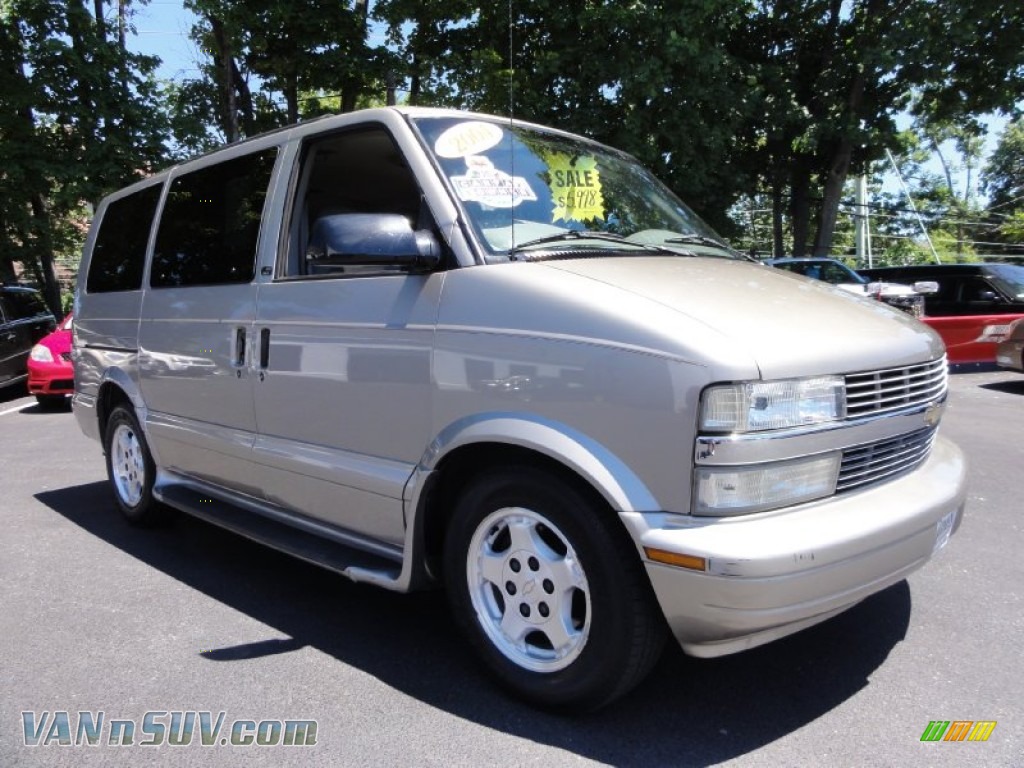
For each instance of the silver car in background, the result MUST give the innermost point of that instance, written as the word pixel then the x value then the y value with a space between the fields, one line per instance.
pixel 1010 351
pixel 422 347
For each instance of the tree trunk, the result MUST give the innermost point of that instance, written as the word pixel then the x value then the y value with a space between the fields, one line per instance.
pixel 839 165
pixel 350 86
pixel 101 23
pixel 291 97
pixel 778 244
pixel 122 23
pixel 41 224
pixel 225 76
pixel 39 241
pixel 831 196
pixel 247 115
pixel 800 208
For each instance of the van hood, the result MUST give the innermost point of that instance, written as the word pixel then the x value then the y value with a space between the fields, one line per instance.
pixel 789 325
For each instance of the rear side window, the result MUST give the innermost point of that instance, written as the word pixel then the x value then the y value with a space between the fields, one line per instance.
pixel 120 250
pixel 211 223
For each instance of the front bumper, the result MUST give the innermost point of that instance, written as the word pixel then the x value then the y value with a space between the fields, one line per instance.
pixel 771 574
pixel 1010 354
pixel 50 378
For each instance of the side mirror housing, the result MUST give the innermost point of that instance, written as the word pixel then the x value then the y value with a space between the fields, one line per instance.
pixel 370 240
pixel 926 287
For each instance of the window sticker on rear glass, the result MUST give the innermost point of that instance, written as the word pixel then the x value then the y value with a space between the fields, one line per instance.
pixel 575 187
pixel 469 138
pixel 483 183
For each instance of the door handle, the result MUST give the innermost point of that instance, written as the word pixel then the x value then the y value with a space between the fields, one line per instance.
pixel 239 360
pixel 264 348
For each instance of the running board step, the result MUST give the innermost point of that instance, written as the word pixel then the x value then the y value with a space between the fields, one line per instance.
pixel 349 561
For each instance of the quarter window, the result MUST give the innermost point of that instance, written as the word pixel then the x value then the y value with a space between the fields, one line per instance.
pixel 119 253
pixel 210 224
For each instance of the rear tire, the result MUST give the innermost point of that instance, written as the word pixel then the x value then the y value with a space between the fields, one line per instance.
pixel 548 588
pixel 131 470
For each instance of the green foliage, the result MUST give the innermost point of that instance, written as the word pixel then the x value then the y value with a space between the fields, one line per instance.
pixel 1003 175
pixel 758 107
pixel 78 118
pixel 1012 227
pixel 652 78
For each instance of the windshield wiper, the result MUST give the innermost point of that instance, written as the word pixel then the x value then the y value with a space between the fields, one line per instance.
pixel 579 234
pixel 704 240
pixel 701 239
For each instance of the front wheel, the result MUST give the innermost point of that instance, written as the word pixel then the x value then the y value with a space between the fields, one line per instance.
pixel 131 470
pixel 548 588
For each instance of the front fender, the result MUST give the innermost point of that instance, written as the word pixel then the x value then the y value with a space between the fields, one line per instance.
pixel 592 461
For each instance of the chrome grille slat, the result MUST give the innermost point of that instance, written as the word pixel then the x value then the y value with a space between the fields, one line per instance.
pixel 901 389
pixel 875 392
pixel 882 456
pixel 908 397
pixel 872 472
pixel 866 464
pixel 896 385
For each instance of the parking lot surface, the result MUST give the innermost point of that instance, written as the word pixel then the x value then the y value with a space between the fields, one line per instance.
pixel 99 617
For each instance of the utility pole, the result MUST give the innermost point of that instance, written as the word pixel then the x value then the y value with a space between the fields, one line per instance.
pixel 862 222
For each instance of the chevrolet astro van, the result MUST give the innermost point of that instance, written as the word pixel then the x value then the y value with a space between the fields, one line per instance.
pixel 422 347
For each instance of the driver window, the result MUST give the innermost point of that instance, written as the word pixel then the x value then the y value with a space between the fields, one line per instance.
pixel 976 289
pixel 833 274
pixel 355 172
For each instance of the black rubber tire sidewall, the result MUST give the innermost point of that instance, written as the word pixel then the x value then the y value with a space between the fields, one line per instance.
pixel 626 632
pixel 147 511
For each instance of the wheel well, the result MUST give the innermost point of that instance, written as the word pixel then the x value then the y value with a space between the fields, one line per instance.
pixel 110 396
pixel 462 464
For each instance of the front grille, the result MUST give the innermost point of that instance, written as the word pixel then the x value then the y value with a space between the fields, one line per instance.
pixel 866 464
pixel 894 389
pixel 65 356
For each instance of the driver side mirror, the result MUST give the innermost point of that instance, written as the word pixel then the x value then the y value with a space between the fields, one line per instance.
pixel 925 287
pixel 345 240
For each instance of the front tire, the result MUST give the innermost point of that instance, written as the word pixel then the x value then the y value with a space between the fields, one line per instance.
pixel 548 588
pixel 131 470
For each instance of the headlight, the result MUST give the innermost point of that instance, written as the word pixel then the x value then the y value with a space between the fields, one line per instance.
pixel 741 490
pixel 41 354
pixel 758 405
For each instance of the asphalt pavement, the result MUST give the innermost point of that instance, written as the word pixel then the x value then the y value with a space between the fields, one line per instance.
pixel 99 617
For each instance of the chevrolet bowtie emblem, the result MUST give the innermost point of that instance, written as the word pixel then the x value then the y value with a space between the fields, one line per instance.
pixel 933 413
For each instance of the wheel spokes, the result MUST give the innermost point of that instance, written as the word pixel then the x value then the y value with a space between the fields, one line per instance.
pixel 529 590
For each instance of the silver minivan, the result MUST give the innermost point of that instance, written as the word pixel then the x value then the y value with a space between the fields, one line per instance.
pixel 423 347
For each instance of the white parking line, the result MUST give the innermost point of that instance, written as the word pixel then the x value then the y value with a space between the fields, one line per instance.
pixel 15 410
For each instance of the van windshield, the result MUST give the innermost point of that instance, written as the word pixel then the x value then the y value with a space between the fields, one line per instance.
pixel 531 193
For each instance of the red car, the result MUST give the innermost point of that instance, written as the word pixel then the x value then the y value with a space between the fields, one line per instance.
pixel 50 375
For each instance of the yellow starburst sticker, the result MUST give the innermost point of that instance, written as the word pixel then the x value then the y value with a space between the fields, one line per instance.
pixel 575 187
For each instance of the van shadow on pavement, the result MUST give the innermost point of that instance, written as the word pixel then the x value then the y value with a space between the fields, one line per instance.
pixel 688 712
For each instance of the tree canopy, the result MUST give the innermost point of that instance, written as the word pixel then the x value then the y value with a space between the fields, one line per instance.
pixel 79 117
pixel 774 100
